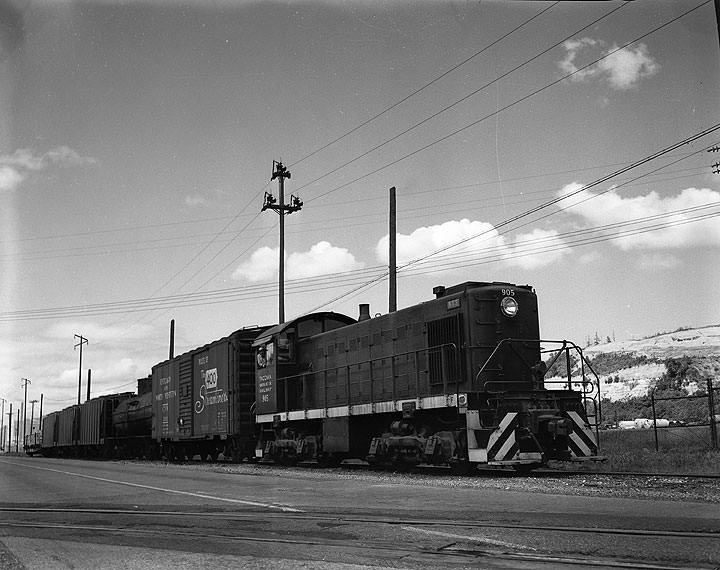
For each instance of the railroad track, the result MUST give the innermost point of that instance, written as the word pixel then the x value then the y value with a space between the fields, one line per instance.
pixel 441 543
pixel 335 518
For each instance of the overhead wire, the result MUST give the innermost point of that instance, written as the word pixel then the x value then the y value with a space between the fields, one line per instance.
pixel 502 109
pixel 423 87
pixel 457 102
pixel 467 126
pixel 544 205
pixel 446 261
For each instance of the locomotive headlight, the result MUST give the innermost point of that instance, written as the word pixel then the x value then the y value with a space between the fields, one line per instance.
pixel 509 306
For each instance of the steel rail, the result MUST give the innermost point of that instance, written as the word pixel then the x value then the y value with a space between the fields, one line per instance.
pixel 339 518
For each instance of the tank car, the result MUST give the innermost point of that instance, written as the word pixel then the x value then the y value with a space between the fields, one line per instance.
pixel 457 380
pixel 202 400
pixel 132 424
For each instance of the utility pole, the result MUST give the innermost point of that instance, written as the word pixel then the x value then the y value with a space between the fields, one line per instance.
pixel 26 382
pixel 83 340
pixel 392 258
pixel 2 417
pixel 10 429
pixel 279 206
pixel 32 414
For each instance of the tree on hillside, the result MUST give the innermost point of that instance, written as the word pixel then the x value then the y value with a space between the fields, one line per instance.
pixel 679 372
pixel 559 367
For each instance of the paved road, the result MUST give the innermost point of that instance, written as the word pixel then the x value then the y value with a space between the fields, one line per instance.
pixel 83 514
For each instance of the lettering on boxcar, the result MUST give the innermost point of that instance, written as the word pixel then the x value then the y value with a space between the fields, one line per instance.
pixel 209 394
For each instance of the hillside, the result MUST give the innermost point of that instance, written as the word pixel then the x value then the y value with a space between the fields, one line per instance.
pixel 630 368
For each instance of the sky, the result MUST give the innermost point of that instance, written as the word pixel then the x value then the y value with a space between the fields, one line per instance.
pixel 558 144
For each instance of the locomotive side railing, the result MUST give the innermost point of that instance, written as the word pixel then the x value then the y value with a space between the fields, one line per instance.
pixel 590 387
pixel 423 362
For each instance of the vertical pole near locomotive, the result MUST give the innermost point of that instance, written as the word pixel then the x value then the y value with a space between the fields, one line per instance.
pixel 281 173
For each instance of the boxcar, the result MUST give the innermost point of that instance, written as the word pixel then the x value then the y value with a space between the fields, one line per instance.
pixel 202 400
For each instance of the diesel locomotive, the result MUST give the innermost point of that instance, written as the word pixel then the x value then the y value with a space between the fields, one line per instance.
pixel 457 380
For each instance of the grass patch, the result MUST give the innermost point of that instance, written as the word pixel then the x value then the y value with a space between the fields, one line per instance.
pixel 680 450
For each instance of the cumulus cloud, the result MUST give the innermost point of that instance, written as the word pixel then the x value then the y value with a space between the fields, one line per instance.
pixel 611 208
pixel 10 178
pixel 15 167
pixel 323 258
pixel 538 248
pixel 425 240
pixel 622 69
pixel 479 241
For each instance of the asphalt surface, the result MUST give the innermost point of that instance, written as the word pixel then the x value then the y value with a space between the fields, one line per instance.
pixel 84 514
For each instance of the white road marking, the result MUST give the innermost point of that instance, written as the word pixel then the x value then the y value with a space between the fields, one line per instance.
pixel 472 538
pixel 173 491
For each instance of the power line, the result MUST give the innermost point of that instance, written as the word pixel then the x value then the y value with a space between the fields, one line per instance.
pixel 448 260
pixel 420 89
pixel 200 298
pixel 457 102
pixel 502 109
pixel 527 213
pixel 192 239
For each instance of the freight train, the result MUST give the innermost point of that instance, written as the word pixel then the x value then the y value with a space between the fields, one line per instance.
pixel 458 380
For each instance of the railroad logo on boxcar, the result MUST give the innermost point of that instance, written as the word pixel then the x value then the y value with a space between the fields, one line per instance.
pixel 209 393
pixel 210 377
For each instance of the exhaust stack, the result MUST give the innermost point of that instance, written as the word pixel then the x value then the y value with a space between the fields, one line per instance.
pixel 364 312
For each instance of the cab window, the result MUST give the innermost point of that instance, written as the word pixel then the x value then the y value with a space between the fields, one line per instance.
pixel 265 355
pixel 285 346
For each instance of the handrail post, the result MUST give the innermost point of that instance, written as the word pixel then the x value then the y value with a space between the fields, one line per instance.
pixel 567 365
pixel 652 403
pixel 711 405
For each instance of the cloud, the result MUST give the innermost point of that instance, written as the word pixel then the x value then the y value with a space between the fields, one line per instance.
pixel 425 240
pixel 321 259
pixel 195 200
pixel 622 69
pixel 15 167
pixel 611 208
pixel 10 178
pixel 478 241
pixel 97 333
pixel 650 261
pixel 538 248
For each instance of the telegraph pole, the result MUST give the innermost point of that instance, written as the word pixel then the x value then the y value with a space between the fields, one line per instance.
pixel 83 340
pixel 32 414
pixel 10 429
pixel 2 417
pixel 26 382
pixel 281 173
pixel 392 255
